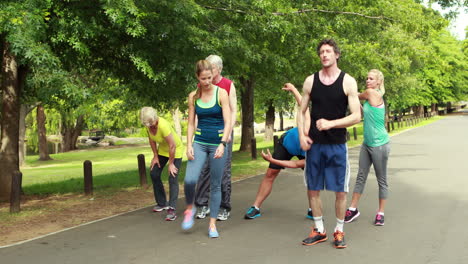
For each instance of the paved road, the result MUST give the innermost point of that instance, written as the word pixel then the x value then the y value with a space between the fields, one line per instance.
pixel 426 218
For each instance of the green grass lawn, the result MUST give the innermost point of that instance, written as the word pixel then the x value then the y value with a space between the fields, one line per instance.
pixel 117 168
pixel 113 168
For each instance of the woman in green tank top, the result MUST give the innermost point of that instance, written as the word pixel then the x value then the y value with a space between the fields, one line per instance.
pixel 375 149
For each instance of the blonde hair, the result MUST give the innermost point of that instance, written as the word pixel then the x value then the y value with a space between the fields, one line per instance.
pixel 148 116
pixel 201 66
pixel 380 77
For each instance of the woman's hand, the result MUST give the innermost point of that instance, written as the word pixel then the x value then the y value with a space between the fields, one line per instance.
pixel 172 169
pixel 155 161
pixel 267 156
pixel 219 151
pixel 289 87
pixel 190 154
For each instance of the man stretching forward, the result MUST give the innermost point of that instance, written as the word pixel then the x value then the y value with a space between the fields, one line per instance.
pixel 330 91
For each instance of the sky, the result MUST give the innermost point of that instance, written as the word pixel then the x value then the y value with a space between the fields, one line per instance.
pixel 457 26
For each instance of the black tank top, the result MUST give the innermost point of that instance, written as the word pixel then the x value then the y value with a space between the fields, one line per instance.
pixel 329 102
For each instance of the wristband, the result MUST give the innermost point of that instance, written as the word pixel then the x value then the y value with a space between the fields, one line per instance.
pixel 224 143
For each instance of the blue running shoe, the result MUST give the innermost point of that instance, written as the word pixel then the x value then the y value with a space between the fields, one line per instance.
pixel 213 233
pixel 252 213
pixel 188 218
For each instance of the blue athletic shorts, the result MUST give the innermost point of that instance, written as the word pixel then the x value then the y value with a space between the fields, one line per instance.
pixel 327 168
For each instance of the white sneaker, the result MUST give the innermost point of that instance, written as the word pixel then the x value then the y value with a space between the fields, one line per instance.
pixel 203 212
pixel 223 214
pixel 159 208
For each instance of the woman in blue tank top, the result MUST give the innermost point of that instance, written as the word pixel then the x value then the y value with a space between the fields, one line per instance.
pixel 210 105
pixel 376 147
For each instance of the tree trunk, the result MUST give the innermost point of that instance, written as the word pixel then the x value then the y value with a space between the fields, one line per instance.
pixel 434 110
pixel 449 107
pixel 10 121
pixel 270 122
pixel 281 124
pixel 22 134
pixel 247 96
pixel 70 132
pixel 176 118
pixel 42 133
pixel 418 110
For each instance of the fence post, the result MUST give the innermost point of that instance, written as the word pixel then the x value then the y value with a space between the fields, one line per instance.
pixel 253 147
pixel 393 126
pixel 142 170
pixel 15 195
pixel 275 141
pixel 355 133
pixel 88 177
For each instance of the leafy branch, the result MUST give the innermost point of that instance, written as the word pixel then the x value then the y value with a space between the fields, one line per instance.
pixel 302 11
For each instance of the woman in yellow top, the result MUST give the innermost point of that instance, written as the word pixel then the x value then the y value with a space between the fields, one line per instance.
pixel 167 147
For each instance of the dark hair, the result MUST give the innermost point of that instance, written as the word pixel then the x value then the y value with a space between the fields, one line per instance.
pixel 330 42
pixel 202 65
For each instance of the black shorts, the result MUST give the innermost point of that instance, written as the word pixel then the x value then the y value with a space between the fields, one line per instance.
pixel 281 153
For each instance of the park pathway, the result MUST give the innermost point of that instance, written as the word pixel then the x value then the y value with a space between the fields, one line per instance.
pixel 426 218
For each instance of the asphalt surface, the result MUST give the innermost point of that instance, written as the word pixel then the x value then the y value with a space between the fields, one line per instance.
pixel 426 218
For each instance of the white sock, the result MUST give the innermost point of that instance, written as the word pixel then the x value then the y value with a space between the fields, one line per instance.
pixel 352 209
pixel 380 213
pixel 339 225
pixel 256 207
pixel 319 224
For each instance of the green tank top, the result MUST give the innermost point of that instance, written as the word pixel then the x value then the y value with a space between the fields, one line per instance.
pixel 375 133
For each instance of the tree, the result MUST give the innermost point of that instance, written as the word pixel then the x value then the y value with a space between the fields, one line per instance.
pixel 11 73
pixel 42 133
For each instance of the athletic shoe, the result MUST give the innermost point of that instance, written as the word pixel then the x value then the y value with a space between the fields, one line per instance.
pixel 379 220
pixel 159 208
pixel 171 214
pixel 223 214
pixel 351 215
pixel 213 233
pixel 309 214
pixel 252 213
pixel 314 238
pixel 203 212
pixel 339 239
pixel 188 218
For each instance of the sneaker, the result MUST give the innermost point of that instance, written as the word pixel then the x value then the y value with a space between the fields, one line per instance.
pixel 379 220
pixel 339 239
pixel 213 233
pixel 159 208
pixel 223 214
pixel 188 218
pixel 203 212
pixel 351 215
pixel 309 214
pixel 171 214
pixel 314 238
pixel 252 213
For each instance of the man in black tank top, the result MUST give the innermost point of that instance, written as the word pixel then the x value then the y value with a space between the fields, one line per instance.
pixel 331 92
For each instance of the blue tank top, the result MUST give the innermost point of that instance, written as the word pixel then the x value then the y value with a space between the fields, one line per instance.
pixel 210 120
pixel 291 142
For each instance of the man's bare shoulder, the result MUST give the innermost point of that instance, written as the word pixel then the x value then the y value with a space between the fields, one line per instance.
pixel 308 83
pixel 348 79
